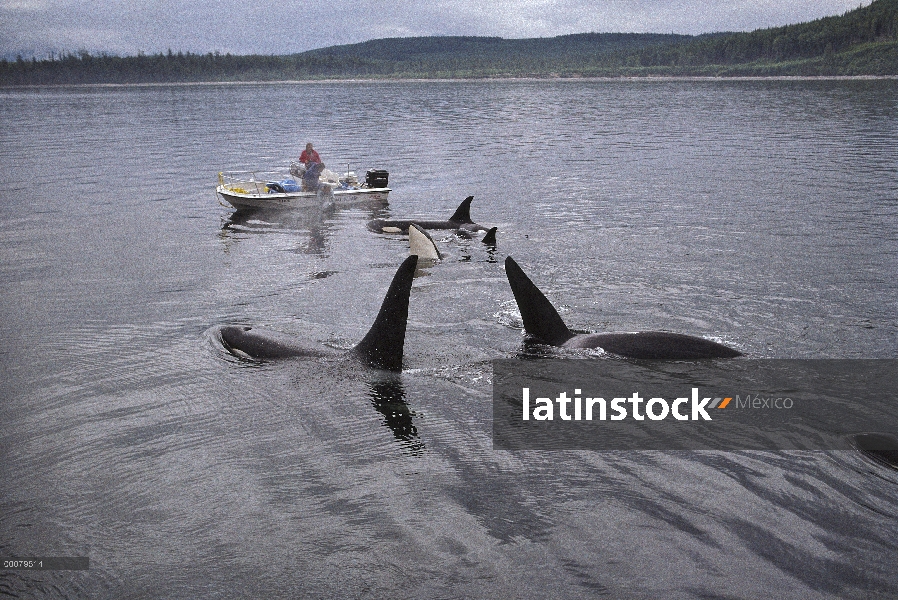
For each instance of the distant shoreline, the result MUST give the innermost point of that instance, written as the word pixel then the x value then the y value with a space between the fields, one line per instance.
pixel 860 45
pixel 627 78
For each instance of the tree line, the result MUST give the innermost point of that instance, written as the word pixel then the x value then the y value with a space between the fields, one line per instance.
pixel 860 42
pixel 855 36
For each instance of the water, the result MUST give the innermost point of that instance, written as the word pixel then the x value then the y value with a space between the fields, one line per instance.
pixel 761 213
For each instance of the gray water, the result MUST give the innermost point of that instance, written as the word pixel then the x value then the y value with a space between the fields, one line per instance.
pixel 763 214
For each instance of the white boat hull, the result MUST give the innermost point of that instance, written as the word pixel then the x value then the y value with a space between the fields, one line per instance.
pixel 339 197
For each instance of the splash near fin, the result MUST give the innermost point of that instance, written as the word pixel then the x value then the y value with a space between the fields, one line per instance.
pixel 541 320
pixel 463 212
pixel 490 238
pixel 421 244
pixel 382 346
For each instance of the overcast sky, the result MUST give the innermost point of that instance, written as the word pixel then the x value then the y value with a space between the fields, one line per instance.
pixel 124 27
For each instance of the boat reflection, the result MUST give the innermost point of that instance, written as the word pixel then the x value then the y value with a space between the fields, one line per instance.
pixel 318 222
pixel 315 221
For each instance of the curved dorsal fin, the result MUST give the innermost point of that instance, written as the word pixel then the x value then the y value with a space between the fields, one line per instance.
pixel 490 238
pixel 382 346
pixel 463 212
pixel 421 244
pixel 541 320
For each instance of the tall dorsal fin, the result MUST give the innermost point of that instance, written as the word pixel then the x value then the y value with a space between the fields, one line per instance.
pixel 463 212
pixel 421 244
pixel 383 344
pixel 541 320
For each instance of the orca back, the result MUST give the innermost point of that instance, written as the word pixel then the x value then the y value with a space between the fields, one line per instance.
pixel 880 447
pixel 660 345
pixel 243 340
pixel 541 320
pixel 383 345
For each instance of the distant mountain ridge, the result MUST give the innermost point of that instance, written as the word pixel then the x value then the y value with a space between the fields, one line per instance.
pixel 415 48
pixel 863 41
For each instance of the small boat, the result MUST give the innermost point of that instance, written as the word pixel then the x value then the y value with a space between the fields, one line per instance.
pixel 254 189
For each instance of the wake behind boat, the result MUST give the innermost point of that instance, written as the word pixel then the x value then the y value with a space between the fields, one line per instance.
pixel 270 190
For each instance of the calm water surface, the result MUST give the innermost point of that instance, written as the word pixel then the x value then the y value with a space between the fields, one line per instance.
pixel 760 213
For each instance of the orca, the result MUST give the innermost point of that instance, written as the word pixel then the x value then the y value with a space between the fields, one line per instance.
pixel 880 447
pixel 543 323
pixel 460 219
pixel 421 244
pixel 381 347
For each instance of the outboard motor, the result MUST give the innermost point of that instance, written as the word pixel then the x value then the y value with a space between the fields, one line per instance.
pixel 377 178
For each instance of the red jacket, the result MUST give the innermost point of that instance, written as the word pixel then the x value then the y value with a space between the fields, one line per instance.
pixel 307 157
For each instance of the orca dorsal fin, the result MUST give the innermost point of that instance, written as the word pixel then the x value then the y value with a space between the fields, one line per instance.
pixel 490 238
pixel 382 346
pixel 421 244
pixel 463 212
pixel 541 320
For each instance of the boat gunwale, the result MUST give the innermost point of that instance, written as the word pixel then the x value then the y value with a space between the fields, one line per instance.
pixel 225 191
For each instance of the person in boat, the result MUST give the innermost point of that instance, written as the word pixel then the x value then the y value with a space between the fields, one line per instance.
pixel 307 159
pixel 309 156
pixel 310 179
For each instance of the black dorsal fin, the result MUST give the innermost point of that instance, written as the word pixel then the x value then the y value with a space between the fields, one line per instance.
pixel 541 320
pixel 463 212
pixel 383 344
pixel 490 238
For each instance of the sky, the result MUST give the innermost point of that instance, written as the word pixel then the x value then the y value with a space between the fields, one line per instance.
pixel 126 27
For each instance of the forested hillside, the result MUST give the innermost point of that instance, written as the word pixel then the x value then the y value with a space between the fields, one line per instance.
pixel 861 42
